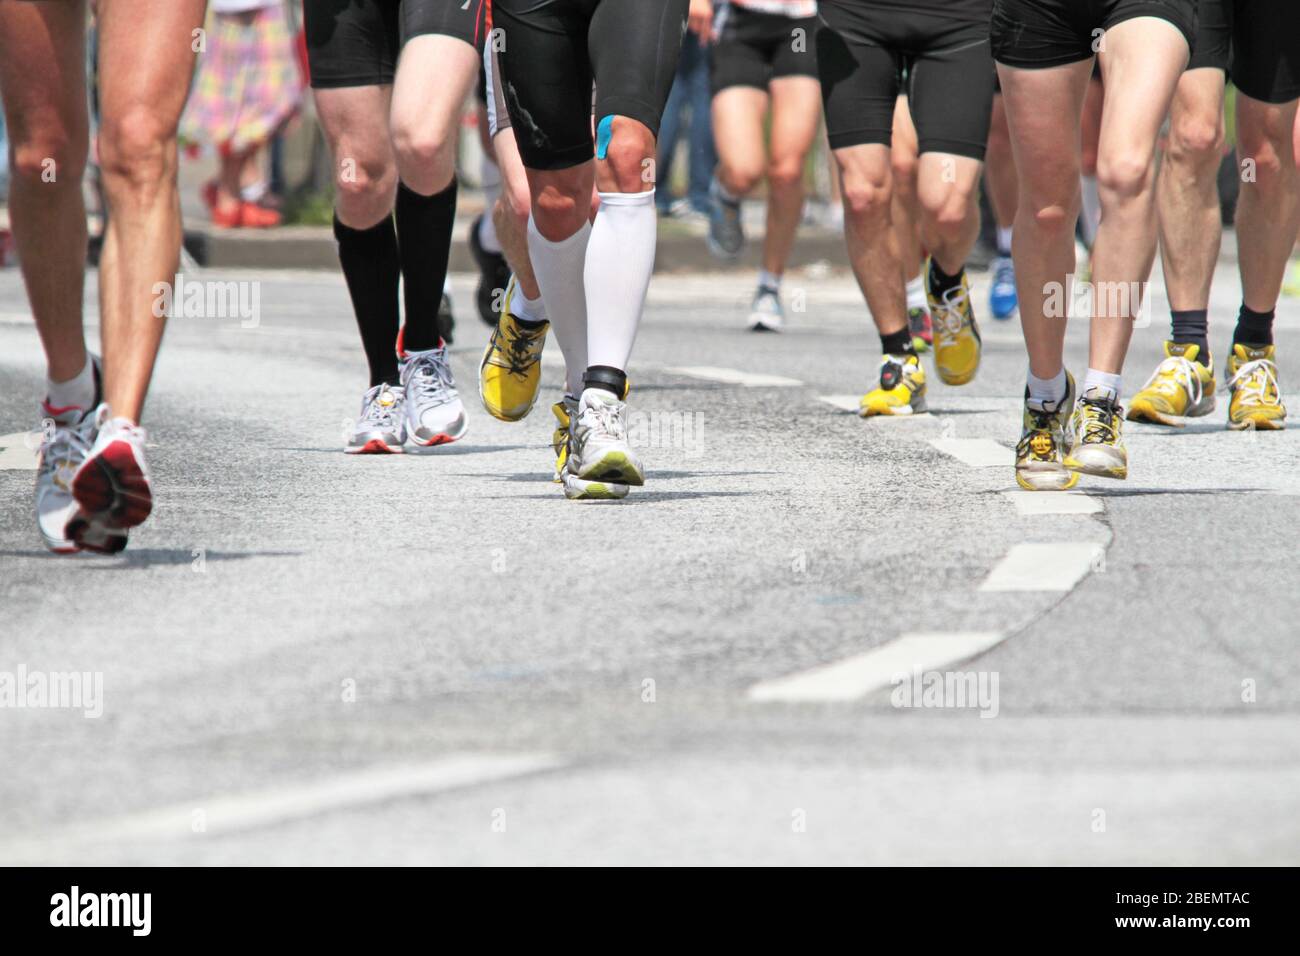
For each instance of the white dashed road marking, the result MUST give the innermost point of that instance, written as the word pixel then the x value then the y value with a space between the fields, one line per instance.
pixel 732 376
pixel 18 451
pixel 851 403
pixel 976 452
pixel 1057 566
pixel 1053 502
pixel 860 674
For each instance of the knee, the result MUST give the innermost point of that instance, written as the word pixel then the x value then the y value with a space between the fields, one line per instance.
pixel 1267 148
pixel 1052 215
pixel 740 180
pixel 49 158
pixel 560 212
pixel 904 167
pixel 365 183
pixel 866 197
pixel 424 151
pixel 785 174
pixel 1124 176
pixel 630 157
pixel 949 210
pixel 1196 139
pixel 137 148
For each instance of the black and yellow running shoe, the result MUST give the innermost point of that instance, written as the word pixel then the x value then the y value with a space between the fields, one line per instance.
pixel 901 390
pixel 1256 396
pixel 957 343
pixel 511 371
pixel 1039 462
pixel 1098 447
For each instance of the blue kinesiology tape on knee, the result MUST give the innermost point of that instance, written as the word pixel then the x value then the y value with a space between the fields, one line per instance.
pixel 604 133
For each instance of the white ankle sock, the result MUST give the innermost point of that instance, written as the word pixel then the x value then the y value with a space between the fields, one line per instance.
pixel 620 258
pixel 1107 383
pixel 487 233
pixel 769 280
pixel 559 269
pixel 1046 391
pixel 1004 241
pixel 530 310
pixel 916 292
pixel 76 392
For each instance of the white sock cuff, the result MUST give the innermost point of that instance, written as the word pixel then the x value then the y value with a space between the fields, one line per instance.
pixel 646 198
pixel 1109 382
pixel 1044 390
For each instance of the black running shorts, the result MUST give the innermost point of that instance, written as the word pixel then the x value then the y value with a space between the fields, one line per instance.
pixel 357 42
pixel 1034 34
pixel 753 48
pixel 863 49
pixel 553 50
pixel 1257 42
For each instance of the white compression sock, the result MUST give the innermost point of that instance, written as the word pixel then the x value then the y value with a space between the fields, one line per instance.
pixel 916 292
pixel 559 268
pixel 490 176
pixel 1106 383
pixel 487 233
pixel 620 258
pixel 1090 214
pixel 1046 391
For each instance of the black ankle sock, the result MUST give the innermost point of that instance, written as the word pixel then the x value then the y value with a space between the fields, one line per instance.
pixel 372 271
pixel 1253 328
pixel 940 281
pixel 1192 327
pixel 898 343
pixel 424 225
pixel 611 379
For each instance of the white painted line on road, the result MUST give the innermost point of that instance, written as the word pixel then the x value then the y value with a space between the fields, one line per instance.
pixel 732 376
pixel 976 452
pixel 851 403
pixel 860 674
pixel 232 814
pixel 1057 566
pixel 1053 502
pixel 18 451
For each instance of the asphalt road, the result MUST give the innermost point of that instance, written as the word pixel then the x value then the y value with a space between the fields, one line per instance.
pixel 313 658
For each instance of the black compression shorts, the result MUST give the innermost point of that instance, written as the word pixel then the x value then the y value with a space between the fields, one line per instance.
pixel 753 48
pixel 357 42
pixel 553 50
pixel 862 52
pixel 1257 42
pixel 1034 34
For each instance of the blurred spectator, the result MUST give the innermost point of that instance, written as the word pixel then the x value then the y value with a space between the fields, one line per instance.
pixel 247 85
pixel 691 94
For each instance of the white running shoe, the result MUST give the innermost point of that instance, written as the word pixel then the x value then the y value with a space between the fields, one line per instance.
pixel 67 435
pixel 766 314
pixel 432 409
pixel 111 485
pixel 598 447
pixel 381 427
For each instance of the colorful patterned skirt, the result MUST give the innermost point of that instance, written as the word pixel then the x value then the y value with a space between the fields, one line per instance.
pixel 247 83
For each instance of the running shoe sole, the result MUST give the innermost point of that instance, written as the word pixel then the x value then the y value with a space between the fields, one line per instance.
pixel 1099 463
pixel 613 466
pixel 1141 412
pixel 576 489
pixel 112 485
pixel 1259 424
pixel 1046 479
pixel 373 447
pixel 90 535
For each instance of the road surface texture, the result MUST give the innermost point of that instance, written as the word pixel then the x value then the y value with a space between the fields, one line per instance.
pixel 313 658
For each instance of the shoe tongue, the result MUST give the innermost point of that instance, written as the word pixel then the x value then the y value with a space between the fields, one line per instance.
pixel 1188 350
pixel 1098 394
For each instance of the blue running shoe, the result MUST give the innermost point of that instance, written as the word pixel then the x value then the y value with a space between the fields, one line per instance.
pixel 1002 296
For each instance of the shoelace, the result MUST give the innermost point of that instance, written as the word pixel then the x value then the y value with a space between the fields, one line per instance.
pixel 375 412
pixel 1257 378
pixel 608 422
pixel 1098 421
pixel 951 314
pixel 1173 371
pixel 1005 274
pixel 432 376
pixel 518 354
pixel 66 449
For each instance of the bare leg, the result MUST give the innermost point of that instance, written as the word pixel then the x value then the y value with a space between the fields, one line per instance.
pixel 795 113
pixel 738 113
pixel 42 46
pixel 434 75
pixel 950 216
pixel 1187 192
pixel 145 66
pixel 1268 212
pixel 1000 168
pixel 1043 112
pixel 355 121
pixel 511 212
pixel 906 207
pixel 1142 61
pixel 869 234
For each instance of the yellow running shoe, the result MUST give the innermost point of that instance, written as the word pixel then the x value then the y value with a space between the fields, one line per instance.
pixel 563 410
pixel 901 390
pixel 1098 447
pixel 956 337
pixel 511 370
pixel 1180 388
pixel 1292 284
pixel 1252 382
pixel 1039 466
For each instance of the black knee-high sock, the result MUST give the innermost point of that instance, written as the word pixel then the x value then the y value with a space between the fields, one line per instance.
pixel 424 225
pixel 372 270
